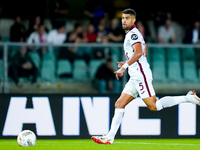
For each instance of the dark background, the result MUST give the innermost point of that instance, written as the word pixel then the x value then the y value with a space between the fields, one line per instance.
pixel 182 12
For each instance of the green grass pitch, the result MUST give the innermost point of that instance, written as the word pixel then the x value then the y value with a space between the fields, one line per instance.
pixel 120 144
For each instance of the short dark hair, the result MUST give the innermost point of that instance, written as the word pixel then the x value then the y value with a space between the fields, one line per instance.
pixel 129 11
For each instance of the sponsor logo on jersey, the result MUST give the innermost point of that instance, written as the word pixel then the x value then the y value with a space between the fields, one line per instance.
pixel 134 37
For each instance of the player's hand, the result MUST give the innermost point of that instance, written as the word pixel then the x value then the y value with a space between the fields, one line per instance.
pixel 120 64
pixel 120 72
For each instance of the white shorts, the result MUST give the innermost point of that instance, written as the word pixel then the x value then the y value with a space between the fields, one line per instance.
pixel 141 84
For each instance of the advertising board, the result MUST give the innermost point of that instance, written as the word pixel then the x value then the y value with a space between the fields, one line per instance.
pixel 81 116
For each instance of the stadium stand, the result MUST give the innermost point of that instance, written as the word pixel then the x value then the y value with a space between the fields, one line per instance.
pixel 174 64
pixel 36 59
pixel 5 25
pixel 189 71
pixel 93 66
pixel 159 64
pixel 80 71
pixel 64 67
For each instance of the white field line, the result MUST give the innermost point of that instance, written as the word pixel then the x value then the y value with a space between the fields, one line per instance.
pixel 137 143
pixel 141 143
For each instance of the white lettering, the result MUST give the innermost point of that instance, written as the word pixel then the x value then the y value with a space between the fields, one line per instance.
pixel 18 114
pixel 71 116
pixel 186 119
pixel 97 114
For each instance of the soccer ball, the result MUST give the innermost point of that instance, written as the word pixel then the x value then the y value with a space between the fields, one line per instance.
pixel 26 138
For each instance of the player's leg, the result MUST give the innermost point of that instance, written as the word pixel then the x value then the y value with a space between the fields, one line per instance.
pixel 168 101
pixel 147 93
pixel 126 97
pixel 151 102
pixel 123 100
pixel 120 104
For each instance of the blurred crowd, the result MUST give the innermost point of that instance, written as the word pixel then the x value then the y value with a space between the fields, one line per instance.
pixel 103 26
pixel 104 30
pixel 23 66
pixel 100 28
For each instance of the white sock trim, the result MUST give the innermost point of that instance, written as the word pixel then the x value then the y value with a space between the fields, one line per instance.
pixel 119 110
pixel 158 105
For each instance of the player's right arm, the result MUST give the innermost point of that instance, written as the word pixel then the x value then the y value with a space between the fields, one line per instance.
pixel 137 54
pixel 120 64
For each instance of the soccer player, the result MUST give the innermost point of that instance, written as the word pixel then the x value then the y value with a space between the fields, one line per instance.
pixel 140 81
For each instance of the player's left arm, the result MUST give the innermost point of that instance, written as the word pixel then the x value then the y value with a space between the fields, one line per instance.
pixel 137 54
pixel 146 51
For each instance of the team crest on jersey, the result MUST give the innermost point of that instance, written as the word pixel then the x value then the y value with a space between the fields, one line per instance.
pixel 134 37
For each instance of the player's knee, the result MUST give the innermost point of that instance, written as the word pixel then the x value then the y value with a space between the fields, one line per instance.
pixel 152 108
pixel 118 105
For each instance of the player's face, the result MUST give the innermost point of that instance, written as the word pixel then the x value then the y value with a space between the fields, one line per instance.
pixel 127 21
